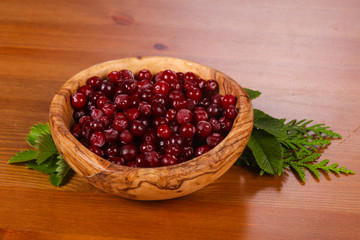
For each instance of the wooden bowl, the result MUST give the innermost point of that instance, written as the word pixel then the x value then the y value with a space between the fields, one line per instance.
pixel 150 183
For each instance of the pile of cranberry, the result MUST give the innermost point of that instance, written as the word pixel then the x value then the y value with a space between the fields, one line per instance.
pixel 147 121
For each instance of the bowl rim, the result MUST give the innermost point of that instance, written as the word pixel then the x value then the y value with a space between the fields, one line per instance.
pixel 63 135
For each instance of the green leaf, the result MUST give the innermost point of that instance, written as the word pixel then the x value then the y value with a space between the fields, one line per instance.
pixel 252 93
pixel 62 169
pixel 270 124
pixel 267 151
pixel 46 147
pixel 35 132
pixel 48 167
pixel 23 156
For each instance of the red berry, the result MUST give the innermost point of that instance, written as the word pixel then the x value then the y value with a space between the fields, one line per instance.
pixel 86 90
pixel 126 137
pixel 168 160
pixel 187 130
pixel 108 109
pixel 112 151
pixel 203 129
pixel 111 136
pixel 201 150
pixel 138 128
pixel 120 124
pixel 164 131
pixel 228 100
pixel 194 94
pixel 161 87
pixel 214 139
pixel 144 75
pixel 147 147
pixel 94 82
pixel 97 139
pixel 96 150
pixel 168 75
pixel 128 152
pixel 132 114
pixel 122 101
pixel 184 116
pixel 230 112
pixel 78 100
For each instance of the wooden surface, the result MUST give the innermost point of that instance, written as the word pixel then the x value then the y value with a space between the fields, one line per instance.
pixel 150 183
pixel 303 55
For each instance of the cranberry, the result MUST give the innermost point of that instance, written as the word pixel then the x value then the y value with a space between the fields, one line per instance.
pixel 146 95
pixel 213 110
pixel 190 76
pixel 138 128
pixel 201 150
pixel 84 119
pixel 126 137
pixel 117 160
pixel 147 147
pixel 190 104
pixel 126 74
pixel 108 109
pixel 158 76
pixel 214 139
pixel 120 124
pixel 168 76
pixel 159 121
pixel 122 101
pixel 86 130
pixel 173 149
pixel 111 135
pixel 179 104
pixel 203 129
pixel 194 94
pixel 180 76
pixel 140 161
pixel 201 114
pixel 101 101
pixel 132 114
pixel 176 95
pixel 112 151
pixel 217 99
pixel 204 102
pixel 105 120
pixel 144 75
pixel 85 142
pixel 161 87
pixel 168 160
pixel 187 130
pixel 188 152
pixel 230 112
pixel 94 82
pixel 108 88
pixel 97 126
pixel 212 86
pixel 158 109
pixel 144 121
pixel 164 131
pixel 152 159
pixel 226 124
pixel 175 86
pixel 76 131
pixel 78 100
pixel 128 152
pixel 214 124
pixel 86 90
pixel 228 100
pixel 134 100
pixel 174 127
pixel 144 84
pixel 96 150
pixel 114 76
pixel 93 98
pixel 96 114
pixel 129 86
pixel 79 113
pixel 184 116
pixel 170 115
pixel 97 139
pixel 177 139
pixel 149 136
pixel 158 98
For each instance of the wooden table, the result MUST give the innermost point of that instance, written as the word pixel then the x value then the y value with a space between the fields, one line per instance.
pixel 303 56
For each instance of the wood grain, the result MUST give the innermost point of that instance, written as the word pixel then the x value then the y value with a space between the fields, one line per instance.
pixel 150 183
pixel 302 55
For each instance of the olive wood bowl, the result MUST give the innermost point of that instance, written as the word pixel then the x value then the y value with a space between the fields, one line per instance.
pixel 150 183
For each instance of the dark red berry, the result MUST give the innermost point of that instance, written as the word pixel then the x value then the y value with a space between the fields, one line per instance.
pixel 120 124
pixel 203 129
pixel 112 151
pixel 187 130
pixel 173 149
pixel 168 160
pixel 108 109
pixel 212 86
pixel 96 150
pixel 128 152
pixel 194 94
pixel 164 131
pixel 129 86
pixel 228 100
pixel 108 88
pixel 86 90
pixel 117 160
pixel 201 150
pixel 161 87
pixel 168 75
pixel 230 112
pixel 79 113
pixel 84 119
pixel 138 128
pixel 78 100
pixel 76 131
pixel 144 75
pixel 114 76
pixel 152 159
pixel 101 101
pixel 132 114
pixel 126 137
pixel 214 139
pixel 122 101
pixel 96 114
pixel 126 74
pixel 111 136
pixel 147 147
pixel 226 124
pixel 97 139
pixel 140 161
pixel 94 82
pixel 184 116
pixel 97 126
